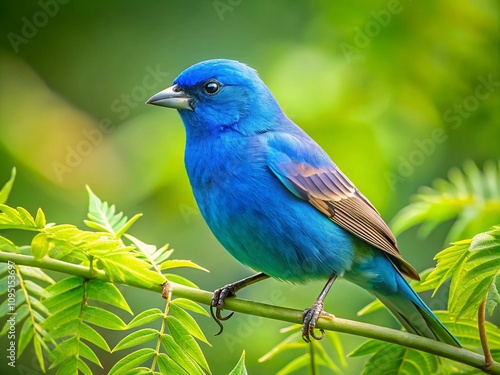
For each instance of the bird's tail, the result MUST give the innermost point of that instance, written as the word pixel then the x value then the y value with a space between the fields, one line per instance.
pixel 414 314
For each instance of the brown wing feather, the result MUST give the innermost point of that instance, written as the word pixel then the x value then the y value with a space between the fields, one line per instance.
pixel 331 192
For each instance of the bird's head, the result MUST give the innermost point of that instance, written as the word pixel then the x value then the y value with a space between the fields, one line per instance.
pixel 217 95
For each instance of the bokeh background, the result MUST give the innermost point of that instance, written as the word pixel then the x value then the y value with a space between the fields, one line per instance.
pixel 397 92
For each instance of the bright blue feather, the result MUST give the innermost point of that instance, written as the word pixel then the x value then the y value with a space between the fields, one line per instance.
pixel 277 202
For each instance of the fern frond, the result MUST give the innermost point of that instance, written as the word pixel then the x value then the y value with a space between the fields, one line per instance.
pixel 470 196
pixel 73 309
pixel 23 308
pixel 176 335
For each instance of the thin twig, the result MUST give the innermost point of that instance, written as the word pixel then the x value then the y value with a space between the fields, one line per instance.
pixel 481 315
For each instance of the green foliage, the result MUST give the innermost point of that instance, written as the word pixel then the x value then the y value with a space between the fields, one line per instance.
pixel 72 315
pixel 24 289
pixel 314 353
pixel 240 368
pixel 471 196
pixel 62 320
pixel 103 217
pixel 183 354
pixel 390 358
pixel 394 359
pixel 474 266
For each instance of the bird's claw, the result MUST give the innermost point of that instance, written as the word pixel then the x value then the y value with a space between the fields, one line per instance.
pixel 311 316
pixel 217 303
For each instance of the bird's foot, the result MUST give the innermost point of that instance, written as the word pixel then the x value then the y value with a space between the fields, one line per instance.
pixel 217 303
pixel 311 316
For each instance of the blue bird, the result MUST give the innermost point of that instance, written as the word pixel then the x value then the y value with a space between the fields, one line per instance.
pixel 277 202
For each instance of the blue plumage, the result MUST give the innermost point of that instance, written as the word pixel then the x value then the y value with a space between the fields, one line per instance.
pixel 277 202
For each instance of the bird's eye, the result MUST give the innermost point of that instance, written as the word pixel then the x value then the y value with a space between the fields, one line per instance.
pixel 212 87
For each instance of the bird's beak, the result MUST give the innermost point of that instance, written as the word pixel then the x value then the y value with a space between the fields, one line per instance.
pixel 172 97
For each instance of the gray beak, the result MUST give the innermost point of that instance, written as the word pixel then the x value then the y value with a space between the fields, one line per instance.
pixel 172 97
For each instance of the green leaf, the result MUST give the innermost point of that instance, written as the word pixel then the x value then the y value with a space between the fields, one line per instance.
pixel 36 273
pixel 5 191
pixel 145 317
pixel 131 361
pixel 296 364
pixel 180 357
pixel 141 371
pixel 368 347
pixel 493 298
pixel 91 335
pixel 62 317
pixel 466 331
pixel 136 338
pixel 102 318
pixel 86 352
pixel 37 345
pixel 83 367
pixel 287 343
pixel 180 263
pixel 41 245
pixel 7 246
pixel 11 218
pixel 65 349
pixel 395 359
pixel 25 336
pixel 67 329
pixel 34 289
pixel 102 216
pixel 168 366
pixel 449 261
pixel 188 322
pixel 107 292
pixel 182 337
pixel 180 280
pixel 189 305
pixel 147 249
pixel 127 266
pixel 471 284
pixel 240 368
pixel 326 361
pixel 127 225
pixel 68 367
pixel 40 221
pixel 64 285
pixel 26 216
pixel 334 338
pixel 64 300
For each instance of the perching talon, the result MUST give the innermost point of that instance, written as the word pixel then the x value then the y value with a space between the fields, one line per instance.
pixel 311 316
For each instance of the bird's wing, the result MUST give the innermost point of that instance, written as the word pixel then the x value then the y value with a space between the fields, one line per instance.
pixel 333 194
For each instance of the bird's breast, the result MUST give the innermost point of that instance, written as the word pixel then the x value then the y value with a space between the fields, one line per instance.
pixel 258 220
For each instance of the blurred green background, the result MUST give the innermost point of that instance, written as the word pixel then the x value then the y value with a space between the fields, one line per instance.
pixel 396 92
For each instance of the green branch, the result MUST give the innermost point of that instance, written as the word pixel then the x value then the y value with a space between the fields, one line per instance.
pixel 275 312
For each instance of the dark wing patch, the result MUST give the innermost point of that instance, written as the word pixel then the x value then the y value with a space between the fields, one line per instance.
pixel 331 192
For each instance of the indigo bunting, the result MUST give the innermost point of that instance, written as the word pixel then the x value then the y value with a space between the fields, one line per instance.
pixel 277 202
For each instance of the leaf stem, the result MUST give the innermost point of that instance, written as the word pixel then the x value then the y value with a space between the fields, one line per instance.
pixel 168 297
pixel 276 312
pixel 313 357
pixel 481 317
